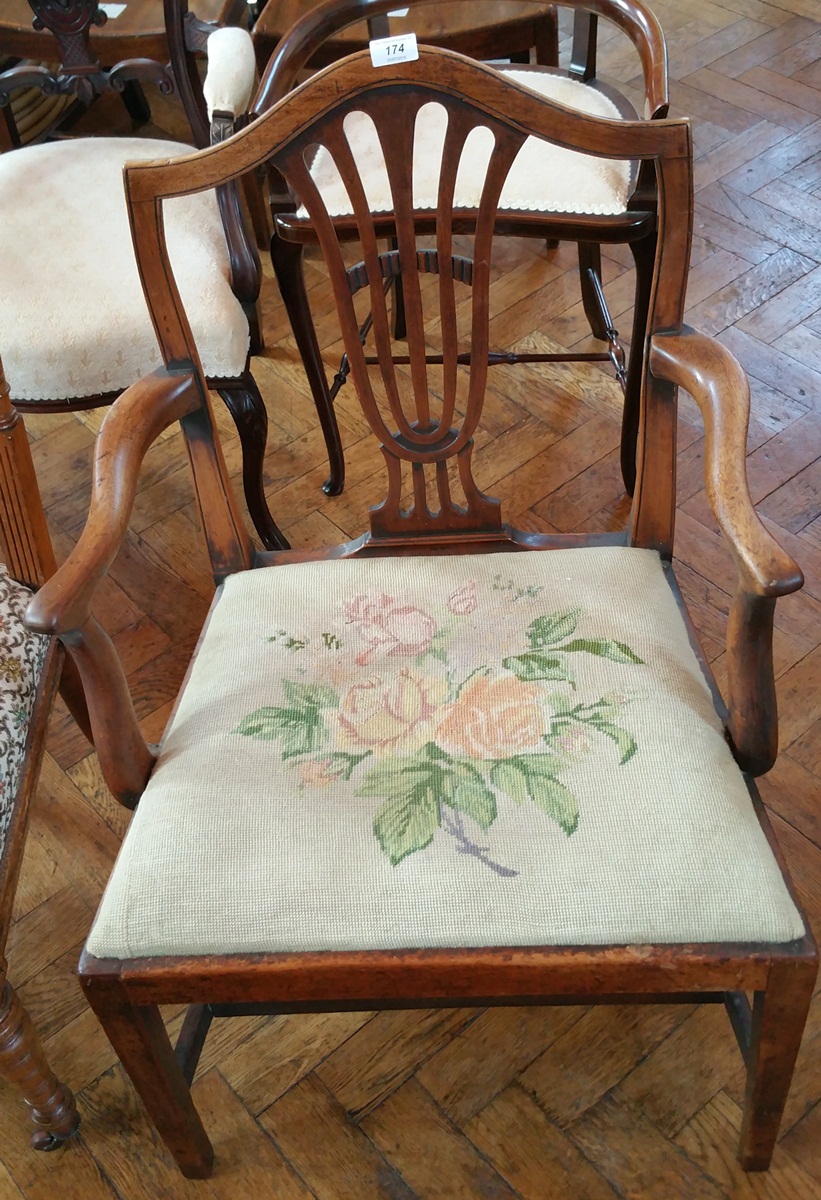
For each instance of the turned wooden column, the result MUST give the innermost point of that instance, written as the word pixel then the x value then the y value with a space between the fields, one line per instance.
pixel 23 1063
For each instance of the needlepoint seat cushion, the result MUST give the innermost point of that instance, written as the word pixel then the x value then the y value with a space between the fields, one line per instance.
pixel 499 749
pixel 63 203
pixel 544 177
pixel 22 655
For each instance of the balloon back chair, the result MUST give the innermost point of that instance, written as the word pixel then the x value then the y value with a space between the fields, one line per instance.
pixel 548 195
pixel 447 763
pixel 30 667
pixel 74 326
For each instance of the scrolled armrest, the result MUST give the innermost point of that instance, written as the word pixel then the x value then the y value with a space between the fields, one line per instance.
pixel 132 423
pixel 717 383
pixel 715 380
pixel 231 71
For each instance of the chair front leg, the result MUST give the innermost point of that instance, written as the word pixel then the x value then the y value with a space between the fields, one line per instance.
pixel 23 1063
pixel 590 260
pixel 287 261
pixel 247 407
pixel 139 1037
pixel 779 1015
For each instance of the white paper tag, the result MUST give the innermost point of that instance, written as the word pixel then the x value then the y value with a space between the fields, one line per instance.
pixel 399 12
pixel 400 48
pixel 112 10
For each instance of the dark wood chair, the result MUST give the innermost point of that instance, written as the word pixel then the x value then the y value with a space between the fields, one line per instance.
pixel 548 199
pixel 30 667
pixel 447 763
pixel 74 326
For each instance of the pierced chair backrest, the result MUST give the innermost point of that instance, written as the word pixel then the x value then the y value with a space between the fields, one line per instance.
pixel 80 74
pixel 423 430
pixel 305 37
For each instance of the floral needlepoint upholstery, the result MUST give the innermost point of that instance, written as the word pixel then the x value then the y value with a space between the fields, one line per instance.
pixel 499 749
pixel 21 661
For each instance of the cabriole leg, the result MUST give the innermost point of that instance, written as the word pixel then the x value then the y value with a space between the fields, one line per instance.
pixel 287 260
pixel 247 407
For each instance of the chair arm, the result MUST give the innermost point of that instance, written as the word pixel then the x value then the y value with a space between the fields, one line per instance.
pixel 717 383
pixel 229 80
pixel 132 423
pixel 715 380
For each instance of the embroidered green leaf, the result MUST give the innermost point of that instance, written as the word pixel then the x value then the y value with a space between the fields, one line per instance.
pixel 310 695
pixel 407 821
pixel 604 648
pixel 532 667
pixel 343 764
pixel 473 798
pixel 622 737
pixel 546 631
pixel 299 730
pixel 535 777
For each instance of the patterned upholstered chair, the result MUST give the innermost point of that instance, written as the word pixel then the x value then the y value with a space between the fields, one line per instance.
pixel 74 326
pixel 449 762
pixel 29 671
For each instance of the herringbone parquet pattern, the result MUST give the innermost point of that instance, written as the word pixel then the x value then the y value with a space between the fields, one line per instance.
pixel 565 1104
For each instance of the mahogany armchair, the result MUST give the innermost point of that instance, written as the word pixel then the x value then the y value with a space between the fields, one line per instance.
pixel 447 763
pixel 74 326
pixel 550 195
pixel 30 667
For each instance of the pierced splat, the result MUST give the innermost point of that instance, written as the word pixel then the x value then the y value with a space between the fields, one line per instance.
pixel 417 436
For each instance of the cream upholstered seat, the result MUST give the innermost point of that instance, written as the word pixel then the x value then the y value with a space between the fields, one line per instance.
pixel 353 776
pixel 544 177
pixel 22 654
pixel 64 336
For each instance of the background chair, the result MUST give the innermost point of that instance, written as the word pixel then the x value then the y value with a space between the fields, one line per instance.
pixel 546 204
pixel 448 761
pixel 30 667
pixel 74 326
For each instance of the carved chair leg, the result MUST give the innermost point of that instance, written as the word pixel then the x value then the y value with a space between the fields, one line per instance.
pixel 139 1037
pixel 644 253
pixel 590 259
pixel 547 38
pixel 287 260
pixel 779 1014
pixel 400 325
pixel 23 1062
pixel 247 407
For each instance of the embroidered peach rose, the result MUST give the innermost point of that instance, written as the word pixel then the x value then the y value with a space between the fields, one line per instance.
pixel 492 718
pixel 318 772
pixel 390 627
pixel 463 601
pixel 381 716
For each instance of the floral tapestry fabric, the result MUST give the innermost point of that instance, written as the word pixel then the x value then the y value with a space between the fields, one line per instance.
pixel 442 739
pixel 21 661
pixel 501 749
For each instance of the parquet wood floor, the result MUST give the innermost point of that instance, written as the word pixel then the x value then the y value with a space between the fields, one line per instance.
pixel 567 1104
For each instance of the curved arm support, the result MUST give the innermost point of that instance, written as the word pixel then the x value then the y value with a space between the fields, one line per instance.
pixel 712 376
pixel 133 422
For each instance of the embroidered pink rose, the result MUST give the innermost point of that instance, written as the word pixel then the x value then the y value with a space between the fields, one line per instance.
pixel 492 719
pixel 390 627
pixel 463 601
pixel 318 772
pixel 380 715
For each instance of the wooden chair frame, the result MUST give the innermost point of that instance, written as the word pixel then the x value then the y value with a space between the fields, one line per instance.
pixel 27 552
pixel 79 72
pixel 636 227
pixel 126 994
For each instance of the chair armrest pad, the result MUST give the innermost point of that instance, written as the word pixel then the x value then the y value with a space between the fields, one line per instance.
pixel 132 423
pixel 718 384
pixel 229 80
